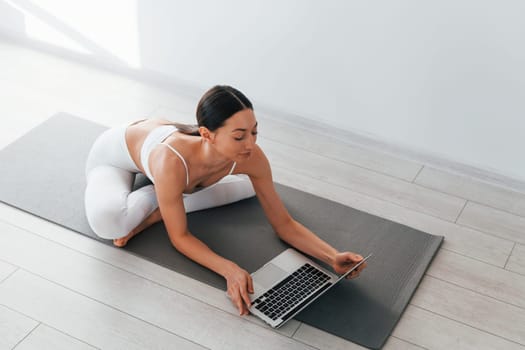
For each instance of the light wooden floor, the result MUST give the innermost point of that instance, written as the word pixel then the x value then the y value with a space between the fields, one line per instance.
pixel 60 290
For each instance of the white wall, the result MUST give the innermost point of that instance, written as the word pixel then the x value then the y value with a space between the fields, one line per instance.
pixel 446 78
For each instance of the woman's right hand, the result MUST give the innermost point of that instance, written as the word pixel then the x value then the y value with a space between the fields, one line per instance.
pixel 239 283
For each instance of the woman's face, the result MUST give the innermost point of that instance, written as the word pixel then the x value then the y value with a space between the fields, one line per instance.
pixel 236 138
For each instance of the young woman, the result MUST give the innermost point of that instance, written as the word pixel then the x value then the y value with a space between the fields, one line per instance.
pixel 191 168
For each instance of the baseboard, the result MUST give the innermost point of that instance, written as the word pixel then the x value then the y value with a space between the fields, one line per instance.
pixel 355 138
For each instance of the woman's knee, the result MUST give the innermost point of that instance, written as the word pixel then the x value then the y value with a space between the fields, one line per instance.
pixel 106 223
pixel 116 213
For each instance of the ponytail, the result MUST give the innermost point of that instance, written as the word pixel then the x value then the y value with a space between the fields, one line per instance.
pixel 188 129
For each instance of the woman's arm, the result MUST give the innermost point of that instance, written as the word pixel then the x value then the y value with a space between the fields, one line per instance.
pixel 170 179
pixel 288 229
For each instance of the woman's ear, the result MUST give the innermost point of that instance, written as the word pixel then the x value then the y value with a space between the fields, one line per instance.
pixel 206 134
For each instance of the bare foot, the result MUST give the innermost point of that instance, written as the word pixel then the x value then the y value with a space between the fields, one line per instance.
pixel 122 241
pixel 150 220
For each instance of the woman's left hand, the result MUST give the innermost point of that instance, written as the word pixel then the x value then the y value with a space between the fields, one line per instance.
pixel 345 261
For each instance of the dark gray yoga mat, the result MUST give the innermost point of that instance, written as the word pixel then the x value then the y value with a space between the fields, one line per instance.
pixel 43 174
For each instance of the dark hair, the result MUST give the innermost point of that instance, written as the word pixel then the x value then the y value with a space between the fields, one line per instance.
pixel 217 105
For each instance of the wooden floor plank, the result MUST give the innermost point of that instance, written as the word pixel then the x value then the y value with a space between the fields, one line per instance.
pixel 473 190
pixel 516 261
pixel 6 270
pixel 480 277
pixel 493 221
pixel 284 133
pixel 82 317
pixel 470 308
pixel 14 327
pixel 432 331
pixel 363 181
pixel 44 337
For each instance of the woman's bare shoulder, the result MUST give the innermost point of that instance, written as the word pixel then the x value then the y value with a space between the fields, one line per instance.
pixel 168 170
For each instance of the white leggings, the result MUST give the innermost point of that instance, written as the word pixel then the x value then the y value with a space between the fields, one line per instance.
pixel 113 209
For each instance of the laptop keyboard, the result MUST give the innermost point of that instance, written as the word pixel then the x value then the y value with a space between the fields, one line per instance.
pixel 290 292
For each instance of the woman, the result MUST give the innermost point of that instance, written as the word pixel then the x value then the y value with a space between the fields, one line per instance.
pixel 192 168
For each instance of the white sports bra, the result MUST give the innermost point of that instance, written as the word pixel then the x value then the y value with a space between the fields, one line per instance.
pixel 157 137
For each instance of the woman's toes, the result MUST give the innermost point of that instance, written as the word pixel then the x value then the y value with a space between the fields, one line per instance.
pixel 120 242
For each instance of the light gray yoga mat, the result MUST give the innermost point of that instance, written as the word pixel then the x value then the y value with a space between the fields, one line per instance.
pixel 43 174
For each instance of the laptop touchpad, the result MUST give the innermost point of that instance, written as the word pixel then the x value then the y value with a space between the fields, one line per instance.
pixel 269 275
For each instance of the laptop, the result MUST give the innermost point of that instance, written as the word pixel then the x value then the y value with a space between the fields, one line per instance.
pixel 287 284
